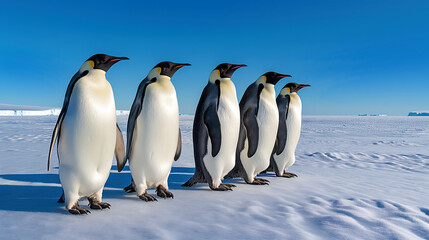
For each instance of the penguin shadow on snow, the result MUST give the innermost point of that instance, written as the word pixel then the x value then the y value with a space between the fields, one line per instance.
pixel 34 196
pixel 178 176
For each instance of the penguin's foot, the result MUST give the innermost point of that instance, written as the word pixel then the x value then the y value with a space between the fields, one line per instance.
pixel 260 181
pixel 147 197
pixel 78 210
pixel 95 204
pixel 288 175
pixel 224 187
pixel 130 188
pixel 164 193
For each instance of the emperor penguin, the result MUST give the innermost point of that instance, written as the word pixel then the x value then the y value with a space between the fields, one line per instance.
pixel 87 135
pixel 258 129
pixel 289 105
pixel 216 129
pixel 153 134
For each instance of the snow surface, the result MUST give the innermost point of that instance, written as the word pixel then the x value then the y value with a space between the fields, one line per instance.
pixel 359 178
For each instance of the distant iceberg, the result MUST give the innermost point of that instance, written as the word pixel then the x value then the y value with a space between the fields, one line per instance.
pixel 372 115
pixel 17 110
pixel 122 112
pixel 48 112
pixel 419 113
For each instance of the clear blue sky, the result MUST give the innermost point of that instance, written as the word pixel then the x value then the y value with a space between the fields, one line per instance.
pixel 359 56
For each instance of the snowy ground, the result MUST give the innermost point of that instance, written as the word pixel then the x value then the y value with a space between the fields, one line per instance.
pixel 359 178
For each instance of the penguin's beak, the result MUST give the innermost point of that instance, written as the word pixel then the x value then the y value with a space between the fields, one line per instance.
pixel 109 63
pixel 237 66
pixel 179 65
pixel 300 86
pixel 276 78
pixel 304 85
pixel 117 59
pixel 280 76
pixel 170 72
pixel 232 69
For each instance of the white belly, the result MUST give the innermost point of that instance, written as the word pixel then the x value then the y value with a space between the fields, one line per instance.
pixel 88 134
pixel 229 118
pixel 293 126
pixel 155 137
pixel 268 118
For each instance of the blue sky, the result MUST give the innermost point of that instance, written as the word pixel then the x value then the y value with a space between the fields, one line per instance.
pixel 359 56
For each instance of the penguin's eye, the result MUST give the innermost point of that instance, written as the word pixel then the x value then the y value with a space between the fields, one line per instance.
pixel 153 79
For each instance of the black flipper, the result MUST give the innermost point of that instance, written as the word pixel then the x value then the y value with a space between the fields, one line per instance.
pixel 179 147
pixel 134 113
pixel 252 131
pixel 283 106
pixel 57 130
pixel 211 120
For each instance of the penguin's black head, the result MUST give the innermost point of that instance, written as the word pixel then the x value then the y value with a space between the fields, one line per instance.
pixel 273 77
pixel 103 61
pixel 169 68
pixel 226 69
pixel 294 87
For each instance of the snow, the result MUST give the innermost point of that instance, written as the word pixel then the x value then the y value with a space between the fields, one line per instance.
pixel 359 178
pixel 419 113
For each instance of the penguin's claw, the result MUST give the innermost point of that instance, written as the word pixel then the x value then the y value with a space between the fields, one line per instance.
pixel 260 181
pixel 147 197
pixel 95 204
pixel 78 210
pixel 99 205
pixel 223 187
pixel 130 188
pixel 164 193
pixel 288 175
pixel 229 185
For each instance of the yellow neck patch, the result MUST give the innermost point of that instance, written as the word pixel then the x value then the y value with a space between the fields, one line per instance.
pixel 218 72
pixel 91 64
pixel 288 90
pixel 265 79
pixel 159 70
